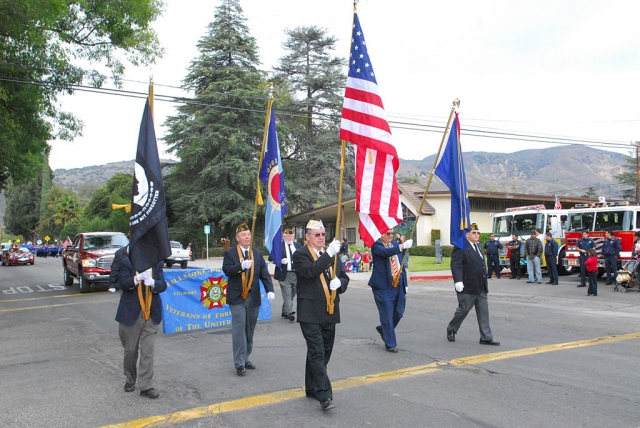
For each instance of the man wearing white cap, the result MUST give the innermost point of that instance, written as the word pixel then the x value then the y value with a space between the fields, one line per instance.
pixel 319 307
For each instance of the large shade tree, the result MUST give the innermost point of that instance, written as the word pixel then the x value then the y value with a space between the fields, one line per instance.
pixel 218 135
pixel 41 44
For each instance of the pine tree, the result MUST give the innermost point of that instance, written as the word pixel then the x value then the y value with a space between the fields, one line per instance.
pixel 310 137
pixel 628 177
pixel 218 136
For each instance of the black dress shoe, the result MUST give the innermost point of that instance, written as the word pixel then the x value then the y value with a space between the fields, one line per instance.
pixel 249 365
pixel 379 330
pixel 451 336
pixel 327 404
pixel 149 393
pixel 392 350
pixel 518 277
pixel 512 277
pixel 292 317
pixel 284 316
pixel 128 387
pixel 489 342
pixel 240 371
pixel 549 282
pixel 554 283
pixel 582 285
pixel 310 395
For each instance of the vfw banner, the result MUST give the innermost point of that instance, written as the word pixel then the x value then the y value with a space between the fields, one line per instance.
pixel 196 299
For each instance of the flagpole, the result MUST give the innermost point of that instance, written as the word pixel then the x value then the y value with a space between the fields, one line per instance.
pixel 339 212
pixel 258 199
pixel 454 106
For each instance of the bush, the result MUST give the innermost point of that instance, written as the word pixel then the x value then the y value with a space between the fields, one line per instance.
pixel 435 235
pixel 430 250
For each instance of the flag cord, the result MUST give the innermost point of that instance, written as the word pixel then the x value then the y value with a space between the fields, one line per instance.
pixel 454 106
pixel 258 199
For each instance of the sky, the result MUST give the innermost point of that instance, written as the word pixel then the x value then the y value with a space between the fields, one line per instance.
pixel 561 68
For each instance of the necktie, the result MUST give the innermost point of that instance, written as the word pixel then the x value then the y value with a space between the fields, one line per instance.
pixel 395 268
pixel 289 267
pixel 246 254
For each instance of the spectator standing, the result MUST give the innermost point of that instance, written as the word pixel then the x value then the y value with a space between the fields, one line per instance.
pixel 514 256
pixel 610 250
pixel 533 252
pixel 591 265
pixel 366 260
pixel 492 249
pixel 551 255
pixel 584 245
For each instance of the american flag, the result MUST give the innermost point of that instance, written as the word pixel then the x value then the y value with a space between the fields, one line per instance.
pixel 558 205
pixel 365 125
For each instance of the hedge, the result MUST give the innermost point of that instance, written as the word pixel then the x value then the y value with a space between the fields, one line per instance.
pixel 430 250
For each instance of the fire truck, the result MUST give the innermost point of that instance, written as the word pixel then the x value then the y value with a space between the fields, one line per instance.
pixel 521 221
pixel 619 217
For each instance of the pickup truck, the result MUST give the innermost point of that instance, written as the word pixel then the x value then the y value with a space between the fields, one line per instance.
pixel 89 258
pixel 178 256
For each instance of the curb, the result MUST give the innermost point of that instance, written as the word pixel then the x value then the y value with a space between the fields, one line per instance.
pixel 429 277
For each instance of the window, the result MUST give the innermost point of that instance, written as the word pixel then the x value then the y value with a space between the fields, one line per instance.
pixel 581 222
pixel 614 220
pixel 351 235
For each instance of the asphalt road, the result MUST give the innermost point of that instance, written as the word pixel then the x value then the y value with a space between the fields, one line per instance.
pixel 61 362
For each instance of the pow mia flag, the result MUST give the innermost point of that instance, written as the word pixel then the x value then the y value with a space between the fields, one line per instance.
pixel 149 241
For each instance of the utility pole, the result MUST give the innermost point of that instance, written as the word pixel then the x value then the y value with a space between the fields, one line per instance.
pixel 637 173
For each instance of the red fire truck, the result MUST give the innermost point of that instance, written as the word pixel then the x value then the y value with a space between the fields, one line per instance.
pixel 619 217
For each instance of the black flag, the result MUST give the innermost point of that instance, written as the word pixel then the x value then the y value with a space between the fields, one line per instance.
pixel 149 241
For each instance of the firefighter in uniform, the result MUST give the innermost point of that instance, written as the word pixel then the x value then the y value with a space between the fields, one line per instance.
pixel 492 248
pixel 584 245
pixel 610 250
pixel 514 256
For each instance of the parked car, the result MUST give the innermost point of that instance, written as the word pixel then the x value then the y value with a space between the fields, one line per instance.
pixel 89 258
pixel 178 256
pixel 17 256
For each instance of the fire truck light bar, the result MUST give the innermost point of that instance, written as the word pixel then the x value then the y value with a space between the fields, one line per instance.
pixel 527 207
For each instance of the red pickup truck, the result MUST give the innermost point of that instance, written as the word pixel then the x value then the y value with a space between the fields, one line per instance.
pixel 89 258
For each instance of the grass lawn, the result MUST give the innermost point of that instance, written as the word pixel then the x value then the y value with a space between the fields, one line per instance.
pixel 423 264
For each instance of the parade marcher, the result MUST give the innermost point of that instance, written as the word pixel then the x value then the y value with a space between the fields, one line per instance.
pixel 389 299
pixel 317 315
pixel 533 249
pixel 285 274
pixel 244 269
pixel 591 264
pixel 514 256
pixel 115 268
pixel 492 249
pixel 138 329
pixel 470 281
pixel 584 245
pixel 610 250
pixel 551 256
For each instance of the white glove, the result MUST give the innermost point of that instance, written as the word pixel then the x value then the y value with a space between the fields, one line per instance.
pixel 333 248
pixel 112 290
pixel 247 264
pixel 284 261
pixel 143 275
pixel 150 282
pixel 335 283
pixel 408 244
pixel 271 295
pixel 459 287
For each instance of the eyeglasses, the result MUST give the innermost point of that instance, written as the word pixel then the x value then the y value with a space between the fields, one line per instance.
pixel 317 235
pixel 388 234
pixel 475 233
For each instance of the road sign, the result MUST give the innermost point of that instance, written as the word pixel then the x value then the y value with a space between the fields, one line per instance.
pixel 46 238
pixel 207 230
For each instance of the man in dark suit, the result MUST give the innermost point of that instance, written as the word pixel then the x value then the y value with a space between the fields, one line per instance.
pixel 285 274
pixel 390 299
pixel 470 280
pixel 317 315
pixel 138 329
pixel 243 269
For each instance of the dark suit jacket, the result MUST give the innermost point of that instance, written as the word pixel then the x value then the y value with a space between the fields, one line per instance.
pixel 312 303
pixel 231 266
pixel 468 267
pixel 129 308
pixel 381 277
pixel 281 274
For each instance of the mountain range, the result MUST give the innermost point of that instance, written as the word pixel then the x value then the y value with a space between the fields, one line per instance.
pixel 562 170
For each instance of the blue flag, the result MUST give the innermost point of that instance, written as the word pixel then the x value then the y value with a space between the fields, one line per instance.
pixel 272 175
pixel 450 169
pixel 149 241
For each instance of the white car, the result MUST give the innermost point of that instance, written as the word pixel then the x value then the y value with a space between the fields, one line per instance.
pixel 178 256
